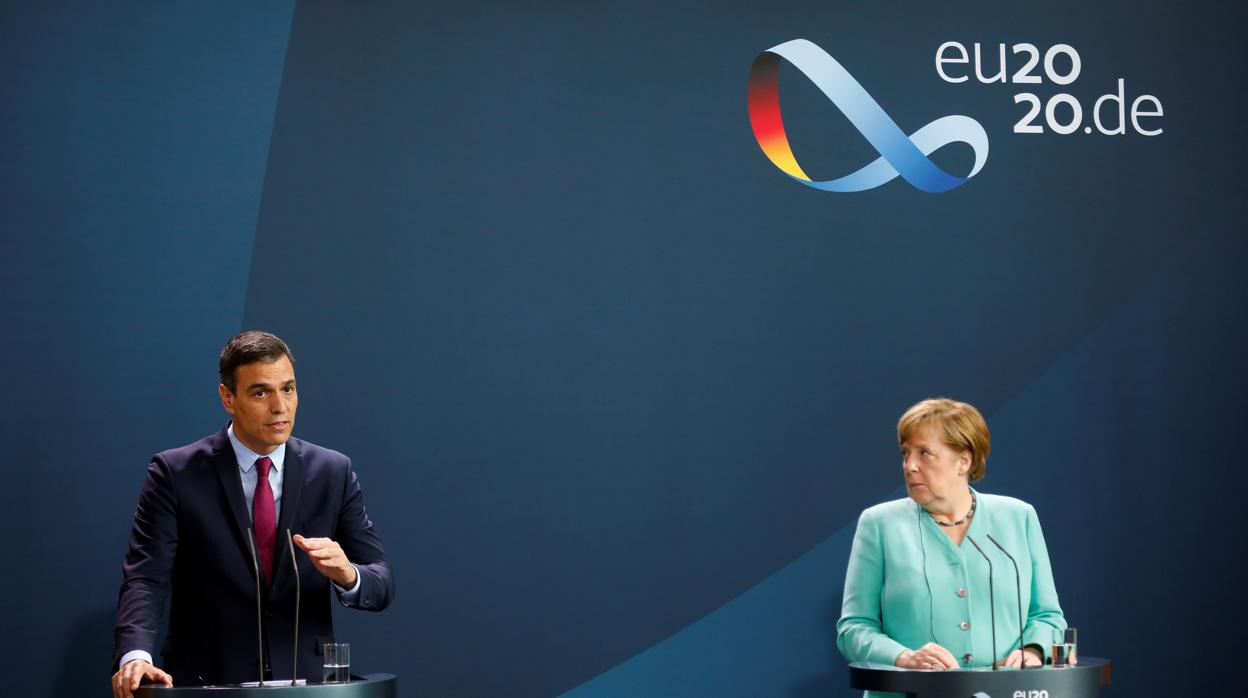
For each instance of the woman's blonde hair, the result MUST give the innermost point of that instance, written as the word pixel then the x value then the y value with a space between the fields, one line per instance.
pixel 962 428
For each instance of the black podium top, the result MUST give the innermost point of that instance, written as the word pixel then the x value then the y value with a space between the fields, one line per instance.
pixel 368 686
pixel 1082 681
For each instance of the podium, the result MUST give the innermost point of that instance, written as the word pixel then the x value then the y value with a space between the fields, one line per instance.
pixel 1081 681
pixel 368 686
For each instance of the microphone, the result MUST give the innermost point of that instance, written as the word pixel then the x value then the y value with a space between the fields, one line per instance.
pixel 1018 590
pixel 255 564
pixel 992 610
pixel 294 563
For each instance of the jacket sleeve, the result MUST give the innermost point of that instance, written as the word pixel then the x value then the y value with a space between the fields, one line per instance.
pixel 363 548
pixel 859 634
pixel 148 564
pixel 1045 621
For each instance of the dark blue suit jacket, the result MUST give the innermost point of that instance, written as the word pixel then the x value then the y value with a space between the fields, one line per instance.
pixel 190 538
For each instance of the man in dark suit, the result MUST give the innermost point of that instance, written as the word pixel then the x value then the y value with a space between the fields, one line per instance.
pixel 191 537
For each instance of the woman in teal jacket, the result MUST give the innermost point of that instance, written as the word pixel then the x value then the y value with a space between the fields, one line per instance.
pixel 916 591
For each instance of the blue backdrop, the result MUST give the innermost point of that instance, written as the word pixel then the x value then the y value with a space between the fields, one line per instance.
pixel 617 387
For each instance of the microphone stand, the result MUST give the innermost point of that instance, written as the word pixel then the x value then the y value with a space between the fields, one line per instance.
pixel 992 610
pixel 294 563
pixel 1018 590
pixel 255 564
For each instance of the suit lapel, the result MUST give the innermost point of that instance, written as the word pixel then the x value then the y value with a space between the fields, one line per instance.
pixel 292 488
pixel 226 465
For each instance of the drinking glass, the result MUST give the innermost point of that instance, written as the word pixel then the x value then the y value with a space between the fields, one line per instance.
pixel 1065 651
pixel 337 668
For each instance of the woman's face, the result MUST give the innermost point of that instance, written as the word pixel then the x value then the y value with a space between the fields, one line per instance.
pixel 934 472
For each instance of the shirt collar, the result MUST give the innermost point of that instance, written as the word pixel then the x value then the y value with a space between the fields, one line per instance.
pixel 247 458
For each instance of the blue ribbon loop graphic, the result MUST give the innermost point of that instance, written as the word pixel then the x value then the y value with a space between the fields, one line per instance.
pixel 899 154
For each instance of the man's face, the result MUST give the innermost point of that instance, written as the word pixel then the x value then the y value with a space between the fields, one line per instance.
pixel 263 404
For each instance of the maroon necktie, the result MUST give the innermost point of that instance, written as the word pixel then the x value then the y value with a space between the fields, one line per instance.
pixel 264 518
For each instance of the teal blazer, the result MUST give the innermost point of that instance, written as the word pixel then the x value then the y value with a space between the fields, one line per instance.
pixel 908 584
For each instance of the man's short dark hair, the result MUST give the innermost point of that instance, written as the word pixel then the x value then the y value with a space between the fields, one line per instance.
pixel 248 348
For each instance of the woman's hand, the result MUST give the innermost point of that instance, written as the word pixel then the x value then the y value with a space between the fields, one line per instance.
pixel 1030 655
pixel 929 657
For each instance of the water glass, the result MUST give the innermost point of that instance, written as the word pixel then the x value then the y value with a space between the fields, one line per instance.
pixel 337 668
pixel 1065 651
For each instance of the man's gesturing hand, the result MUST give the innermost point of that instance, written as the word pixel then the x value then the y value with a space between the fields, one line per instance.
pixel 328 559
pixel 132 674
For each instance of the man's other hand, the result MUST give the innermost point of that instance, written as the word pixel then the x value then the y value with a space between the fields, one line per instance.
pixel 128 678
pixel 328 559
